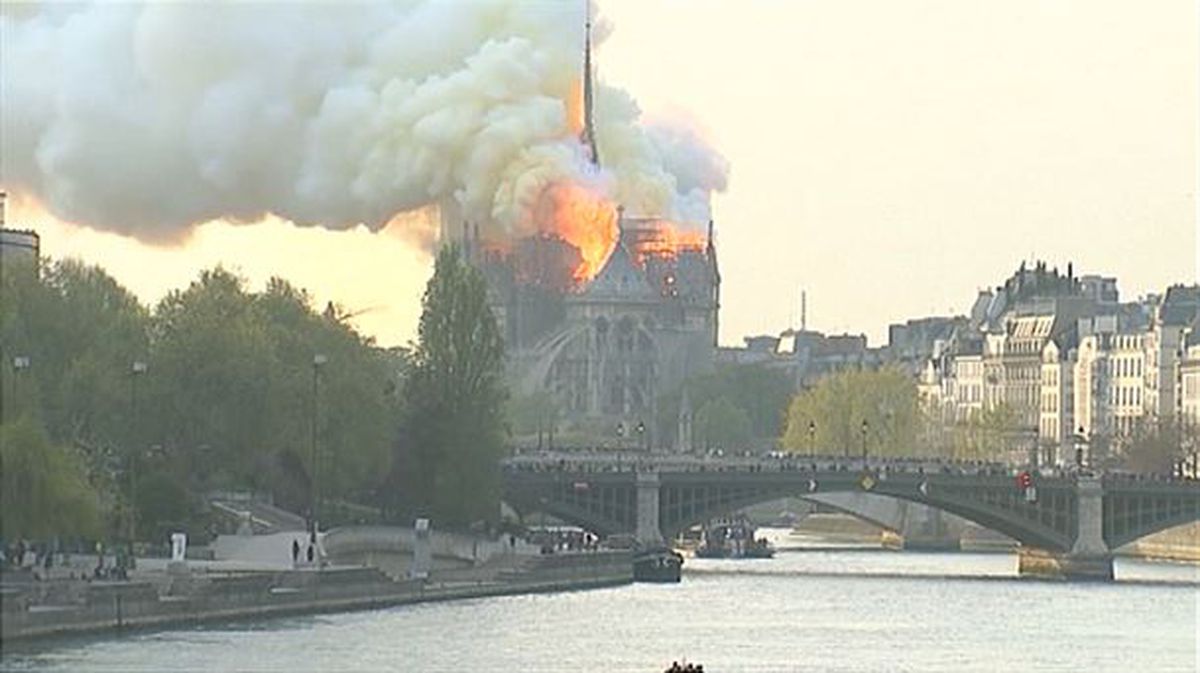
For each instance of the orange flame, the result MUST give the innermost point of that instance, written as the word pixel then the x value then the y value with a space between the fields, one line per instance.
pixel 586 221
pixel 582 218
pixel 668 238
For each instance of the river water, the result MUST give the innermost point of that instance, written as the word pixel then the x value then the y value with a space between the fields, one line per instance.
pixel 805 610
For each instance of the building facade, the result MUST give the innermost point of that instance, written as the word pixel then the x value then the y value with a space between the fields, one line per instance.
pixel 1072 364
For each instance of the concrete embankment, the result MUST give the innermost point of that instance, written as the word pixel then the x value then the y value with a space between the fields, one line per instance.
pixel 40 609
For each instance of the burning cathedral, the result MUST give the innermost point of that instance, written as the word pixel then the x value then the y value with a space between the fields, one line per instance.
pixel 604 312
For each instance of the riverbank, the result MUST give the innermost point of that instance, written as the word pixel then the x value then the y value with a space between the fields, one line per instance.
pixel 179 597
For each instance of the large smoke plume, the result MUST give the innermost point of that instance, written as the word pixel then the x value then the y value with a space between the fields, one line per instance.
pixel 148 118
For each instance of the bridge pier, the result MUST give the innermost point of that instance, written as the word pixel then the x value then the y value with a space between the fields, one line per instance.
pixel 647 531
pixel 926 529
pixel 1089 558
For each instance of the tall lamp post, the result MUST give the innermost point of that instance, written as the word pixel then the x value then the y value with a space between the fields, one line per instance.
pixel 136 370
pixel 318 361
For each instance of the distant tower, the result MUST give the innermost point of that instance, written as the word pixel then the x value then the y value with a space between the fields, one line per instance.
pixel 588 137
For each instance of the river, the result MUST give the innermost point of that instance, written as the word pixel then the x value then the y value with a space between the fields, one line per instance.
pixel 843 610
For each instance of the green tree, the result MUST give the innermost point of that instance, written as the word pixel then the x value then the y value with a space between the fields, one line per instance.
pixel 238 388
pixel 357 409
pixel 987 434
pixel 759 393
pixel 44 490
pixel 836 407
pixel 80 331
pixel 1157 447
pixel 226 399
pixel 533 417
pixel 211 378
pixel 721 424
pixel 454 398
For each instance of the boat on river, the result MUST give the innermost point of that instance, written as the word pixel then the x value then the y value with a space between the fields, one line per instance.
pixel 732 537
pixel 657 564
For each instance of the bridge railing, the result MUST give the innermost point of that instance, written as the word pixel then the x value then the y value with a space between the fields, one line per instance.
pixel 607 461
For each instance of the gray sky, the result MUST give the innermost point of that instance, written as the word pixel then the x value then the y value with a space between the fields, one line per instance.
pixel 889 156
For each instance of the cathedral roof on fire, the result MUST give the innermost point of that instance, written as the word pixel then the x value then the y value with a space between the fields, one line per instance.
pixel 620 279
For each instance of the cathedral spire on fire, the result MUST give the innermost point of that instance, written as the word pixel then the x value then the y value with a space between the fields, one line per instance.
pixel 588 136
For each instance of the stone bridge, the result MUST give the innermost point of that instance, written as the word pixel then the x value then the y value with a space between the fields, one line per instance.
pixel 1067 524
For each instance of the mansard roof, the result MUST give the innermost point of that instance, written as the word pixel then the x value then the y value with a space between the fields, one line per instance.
pixel 1181 305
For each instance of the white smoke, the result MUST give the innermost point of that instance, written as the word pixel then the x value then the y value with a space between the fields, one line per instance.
pixel 148 118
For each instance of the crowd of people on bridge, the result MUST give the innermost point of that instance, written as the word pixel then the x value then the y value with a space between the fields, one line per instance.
pixel 600 462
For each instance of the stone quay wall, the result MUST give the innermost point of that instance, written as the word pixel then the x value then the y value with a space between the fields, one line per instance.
pixel 42 609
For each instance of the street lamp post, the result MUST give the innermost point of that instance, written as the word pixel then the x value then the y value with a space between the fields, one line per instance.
pixel 136 370
pixel 641 430
pixel 317 362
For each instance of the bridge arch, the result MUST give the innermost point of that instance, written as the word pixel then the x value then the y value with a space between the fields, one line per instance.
pixel 991 502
